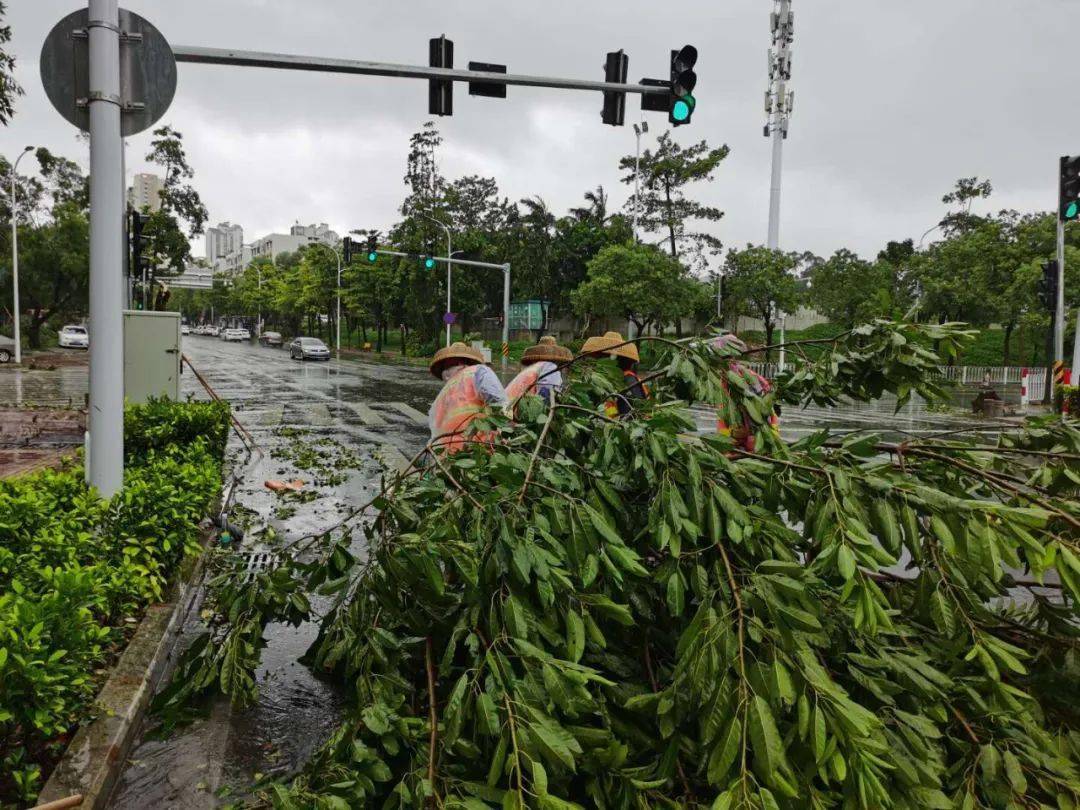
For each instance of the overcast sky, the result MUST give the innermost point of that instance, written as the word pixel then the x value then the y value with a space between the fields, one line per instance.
pixel 894 101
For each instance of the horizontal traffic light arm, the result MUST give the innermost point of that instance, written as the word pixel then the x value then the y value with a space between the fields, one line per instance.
pixel 283 61
pixel 465 262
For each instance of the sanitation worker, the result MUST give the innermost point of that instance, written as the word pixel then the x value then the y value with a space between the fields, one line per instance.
pixel 626 357
pixel 732 420
pixel 540 372
pixel 470 389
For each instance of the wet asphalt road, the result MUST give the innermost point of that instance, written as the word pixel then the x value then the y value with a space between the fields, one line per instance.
pixel 375 413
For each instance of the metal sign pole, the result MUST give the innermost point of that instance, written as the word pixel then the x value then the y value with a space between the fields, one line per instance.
pixel 1059 306
pixel 106 417
pixel 506 315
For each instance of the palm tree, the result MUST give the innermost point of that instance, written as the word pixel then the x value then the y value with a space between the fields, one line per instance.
pixel 596 210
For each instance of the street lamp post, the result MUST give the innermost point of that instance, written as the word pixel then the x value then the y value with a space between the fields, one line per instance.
pixel 337 303
pixel 449 265
pixel 638 132
pixel 15 255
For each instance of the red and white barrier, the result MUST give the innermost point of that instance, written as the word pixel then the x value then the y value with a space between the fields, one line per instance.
pixel 1025 391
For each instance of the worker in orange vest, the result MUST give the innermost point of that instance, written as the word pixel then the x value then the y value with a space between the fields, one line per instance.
pixel 540 372
pixel 731 420
pixel 470 389
pixel 626 358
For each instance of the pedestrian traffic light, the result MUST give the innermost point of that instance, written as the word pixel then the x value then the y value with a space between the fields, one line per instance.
pixel 347 250
pixel 681 101
pixel 440 91
pixel 1069 192
pixel 373 246
pixel 1048 285
pixel 615 69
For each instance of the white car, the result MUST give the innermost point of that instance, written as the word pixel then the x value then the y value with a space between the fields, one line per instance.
pixel 236 334
pixel 74 337
pixel 185 329
pixel 213 331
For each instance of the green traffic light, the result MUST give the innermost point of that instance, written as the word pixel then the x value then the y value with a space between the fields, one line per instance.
pixel 1072 210
pixel 682 108
pixel 429 263
pixel 372 256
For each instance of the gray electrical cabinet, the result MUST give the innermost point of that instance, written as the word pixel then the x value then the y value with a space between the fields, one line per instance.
pixel 151 355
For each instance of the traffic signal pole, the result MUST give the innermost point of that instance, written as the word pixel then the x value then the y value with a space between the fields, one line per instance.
pixel 1059 306
pixel 105 449
pixel 470 263
pixel 282 61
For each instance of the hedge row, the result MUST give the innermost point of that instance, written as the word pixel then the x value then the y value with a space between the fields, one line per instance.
pixel 75 570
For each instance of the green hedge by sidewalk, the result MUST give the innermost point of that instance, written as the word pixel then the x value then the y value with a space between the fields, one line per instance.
pixel 75 570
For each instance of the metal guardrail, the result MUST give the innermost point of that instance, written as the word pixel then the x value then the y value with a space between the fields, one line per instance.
pixel 974 375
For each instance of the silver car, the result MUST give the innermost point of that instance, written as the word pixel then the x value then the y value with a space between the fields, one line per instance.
pixel 7 349
pixel 308 348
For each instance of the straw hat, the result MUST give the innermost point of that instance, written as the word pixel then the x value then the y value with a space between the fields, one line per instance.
pixel 455 351
pixel 627 350
pixel 547 349
pixel 597 346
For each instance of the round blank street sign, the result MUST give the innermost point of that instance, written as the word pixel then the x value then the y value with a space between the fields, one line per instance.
pixel 147 71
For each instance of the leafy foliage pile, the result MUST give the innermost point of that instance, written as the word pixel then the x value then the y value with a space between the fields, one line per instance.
pixel 73 567
pixel 623 614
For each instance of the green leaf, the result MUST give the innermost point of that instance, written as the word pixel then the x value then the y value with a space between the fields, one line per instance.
pixel 575 636
pixel 724 752
pixel 1014 773
pixel 764 738
pixel 676 595
pixel 845 562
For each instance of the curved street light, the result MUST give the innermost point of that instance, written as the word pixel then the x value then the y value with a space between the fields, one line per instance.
pixel 15 254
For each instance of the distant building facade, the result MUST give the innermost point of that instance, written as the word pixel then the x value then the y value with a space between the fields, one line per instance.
pixel 299 236
pixel 222 240
pixel 144 193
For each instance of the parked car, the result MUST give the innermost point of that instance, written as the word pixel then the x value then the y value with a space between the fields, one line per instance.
pixel 74 337
pixel 7 349
pixel 270 339
pixel 308 348
pixel 213 331
pixel 238 335
pixel 185 329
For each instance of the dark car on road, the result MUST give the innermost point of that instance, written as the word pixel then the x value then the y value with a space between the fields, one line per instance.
pixel 308 348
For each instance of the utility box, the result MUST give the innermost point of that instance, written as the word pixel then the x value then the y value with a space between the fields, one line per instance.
pixel 151 355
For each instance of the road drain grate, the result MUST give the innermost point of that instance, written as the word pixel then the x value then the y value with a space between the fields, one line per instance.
pixel 255 562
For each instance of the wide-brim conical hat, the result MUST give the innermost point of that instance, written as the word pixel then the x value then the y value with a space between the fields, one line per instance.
pixel 546 350
pixel 602 344
pixel 455 351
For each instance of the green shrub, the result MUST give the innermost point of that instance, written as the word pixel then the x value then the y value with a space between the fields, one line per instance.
pixel 73 567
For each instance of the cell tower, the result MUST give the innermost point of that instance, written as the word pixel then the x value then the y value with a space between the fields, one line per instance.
pixel 779 102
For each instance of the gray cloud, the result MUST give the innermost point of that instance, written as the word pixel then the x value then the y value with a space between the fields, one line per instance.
pixel 894 101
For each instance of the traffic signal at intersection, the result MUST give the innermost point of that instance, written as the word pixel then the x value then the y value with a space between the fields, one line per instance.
pixel 1069 190
pixel 681 101
pixel 372 247
pixel 429 262
pixel 1047 288
pixel 347 250
pixel 615 69
pixel 139 240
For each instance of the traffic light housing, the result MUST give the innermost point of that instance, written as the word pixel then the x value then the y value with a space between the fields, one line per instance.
pixel 440 91
pixel 428 262
pixel 347 250
pixel 1048 285
pixel 372 247
pixel 681 101
pixel 1069 189
pixel 615 69
pixel 139 240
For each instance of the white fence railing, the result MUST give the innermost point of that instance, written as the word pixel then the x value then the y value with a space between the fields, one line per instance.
pixel 974 375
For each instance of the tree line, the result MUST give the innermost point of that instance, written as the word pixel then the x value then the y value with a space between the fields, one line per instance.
pixel 981 268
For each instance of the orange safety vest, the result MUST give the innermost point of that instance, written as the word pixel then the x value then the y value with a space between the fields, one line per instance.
pixel 611 407
pixel 524 382
pixel 458 404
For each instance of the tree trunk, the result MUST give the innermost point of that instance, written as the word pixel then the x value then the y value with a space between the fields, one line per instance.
pixel 670 220
pixel 678 327
pixel 378 336
pixel 769 326
pixel 1005 353
pixel 33 332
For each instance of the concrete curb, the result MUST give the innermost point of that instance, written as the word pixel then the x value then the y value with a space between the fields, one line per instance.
pixel 95 756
